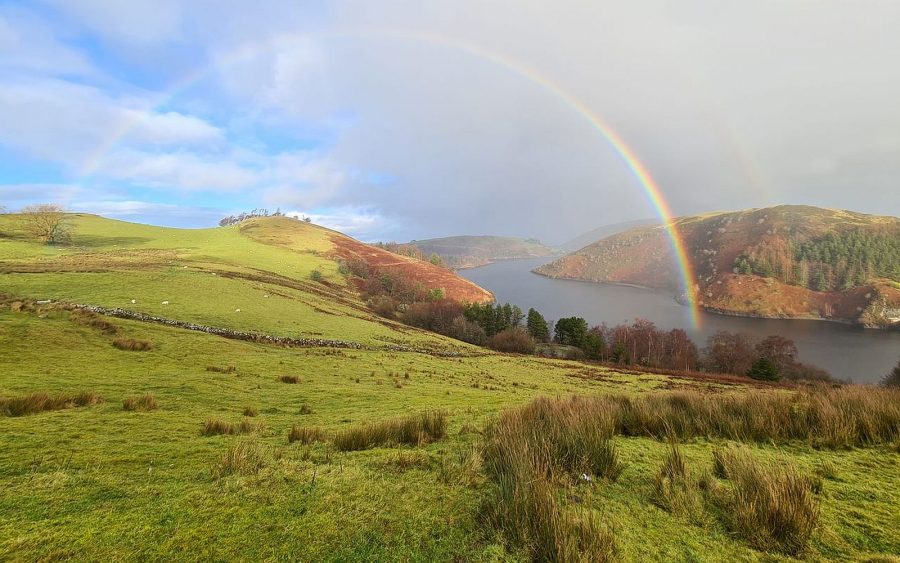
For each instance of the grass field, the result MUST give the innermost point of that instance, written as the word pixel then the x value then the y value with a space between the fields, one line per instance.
pixel 102 482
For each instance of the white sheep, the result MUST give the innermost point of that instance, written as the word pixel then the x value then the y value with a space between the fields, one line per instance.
pixel 237 310
pixel 165 302
pixel 133 301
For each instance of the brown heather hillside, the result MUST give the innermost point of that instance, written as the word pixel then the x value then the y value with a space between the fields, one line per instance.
pixel 785 261
pixel 283 231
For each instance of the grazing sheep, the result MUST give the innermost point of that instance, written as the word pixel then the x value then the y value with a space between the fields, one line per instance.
pixel 237 310
pixel 133 301
pixel 165 302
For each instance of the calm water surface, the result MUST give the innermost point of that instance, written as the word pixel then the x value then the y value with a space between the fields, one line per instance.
pixel 848 352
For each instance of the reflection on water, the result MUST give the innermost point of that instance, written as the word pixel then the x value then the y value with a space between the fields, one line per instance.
pixel 850 352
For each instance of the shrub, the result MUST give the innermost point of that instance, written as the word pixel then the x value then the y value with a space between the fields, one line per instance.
pixel 413 430
pixel 34 403
pixel 513 340
pixel 763 368
pixel 306 434
pixel 892 379
pixel 132 345
pixel 146 402
pixel 771 508
pixel 316 276
pixel 289 379
pixel 383 306
pixel 245 457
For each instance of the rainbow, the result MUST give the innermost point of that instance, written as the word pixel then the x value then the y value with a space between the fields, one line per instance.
pixel 629 157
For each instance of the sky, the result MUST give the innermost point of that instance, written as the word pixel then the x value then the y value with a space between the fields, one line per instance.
pixel 399 120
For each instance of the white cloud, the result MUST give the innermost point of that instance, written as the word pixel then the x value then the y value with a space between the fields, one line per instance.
pixel 69 123
pixel 359 222
pixel 176 170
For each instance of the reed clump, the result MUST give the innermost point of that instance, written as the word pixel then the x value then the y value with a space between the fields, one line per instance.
pixel 528 452
pixel 306 434
pixel 772 508
pixel 145 402
pixel 824 417
pixel 33 403
pixel 414 430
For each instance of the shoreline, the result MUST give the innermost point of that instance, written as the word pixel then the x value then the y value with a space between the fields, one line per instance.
pixel 727 313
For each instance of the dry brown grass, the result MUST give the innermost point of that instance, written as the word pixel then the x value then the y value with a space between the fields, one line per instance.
pixel 822 416
pixel 250 411
pixel 219 427
pixel 34 403
pixel 289 379
pixel 221 369
pixel 306 435
pixel 417 429
pixel 132 345
pixel 93 320
pixel 146 402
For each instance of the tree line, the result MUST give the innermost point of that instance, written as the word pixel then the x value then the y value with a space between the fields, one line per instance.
pixel 260 212
pixel 506 328
pixel 836 261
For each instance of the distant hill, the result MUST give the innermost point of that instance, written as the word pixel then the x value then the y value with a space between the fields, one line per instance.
pixel 600 233
pixel 471 251
pixel 786 261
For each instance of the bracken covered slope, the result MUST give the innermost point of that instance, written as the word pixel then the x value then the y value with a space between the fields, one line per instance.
pixel 785 261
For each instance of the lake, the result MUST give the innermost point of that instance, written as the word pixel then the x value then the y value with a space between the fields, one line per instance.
pixel 848 352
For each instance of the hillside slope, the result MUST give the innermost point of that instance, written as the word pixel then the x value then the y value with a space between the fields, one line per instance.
pixel 785 261
pixel 256 276
pixel 198 446
pixel 601 233
pixel 472 251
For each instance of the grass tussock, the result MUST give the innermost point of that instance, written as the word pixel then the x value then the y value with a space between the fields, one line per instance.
pixel 219 427
pixel 306 434
pixel 823 417
pixel 289 379
pixel 221 369
pixel 146 402
pixel 245 457
pixel 677 490
pixel 250 411
pixel 417 429
pixel 93 320
pixel 34 403
pixel 132 345
pixel 772 508
pixel 529 451
pixel 305 409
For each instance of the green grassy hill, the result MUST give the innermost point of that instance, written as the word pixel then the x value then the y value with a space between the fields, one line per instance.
pixel 83 477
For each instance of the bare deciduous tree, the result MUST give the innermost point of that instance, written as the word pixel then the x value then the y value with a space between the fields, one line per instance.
pixel 47 223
